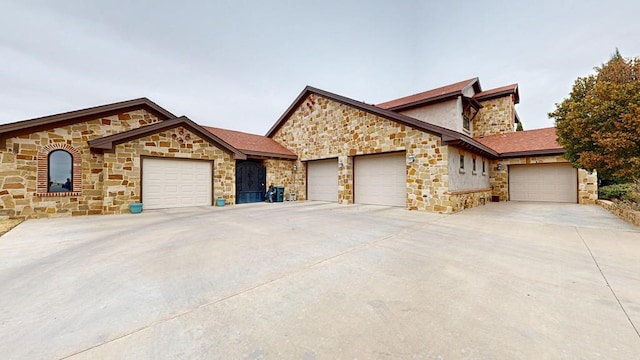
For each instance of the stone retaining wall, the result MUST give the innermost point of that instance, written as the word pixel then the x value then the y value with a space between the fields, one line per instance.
pixel 628 215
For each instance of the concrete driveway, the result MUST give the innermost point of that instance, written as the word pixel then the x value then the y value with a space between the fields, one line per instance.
pixel 314 280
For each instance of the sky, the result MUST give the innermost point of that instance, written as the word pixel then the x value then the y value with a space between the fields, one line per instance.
pixel 240 64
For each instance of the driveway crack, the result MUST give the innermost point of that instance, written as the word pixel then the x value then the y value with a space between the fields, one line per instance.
pixel 608 284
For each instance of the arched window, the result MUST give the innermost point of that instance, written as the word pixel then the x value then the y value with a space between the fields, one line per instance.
pixel 60 166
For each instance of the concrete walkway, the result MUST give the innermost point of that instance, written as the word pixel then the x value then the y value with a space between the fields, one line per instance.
pixel 312 280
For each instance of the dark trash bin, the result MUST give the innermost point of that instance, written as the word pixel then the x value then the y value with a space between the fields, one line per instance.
pixel 279 193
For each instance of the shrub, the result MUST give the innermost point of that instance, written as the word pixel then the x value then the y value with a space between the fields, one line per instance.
pixel 617 191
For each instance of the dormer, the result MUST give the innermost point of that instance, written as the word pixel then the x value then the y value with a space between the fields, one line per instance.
pixel 453 106
pixel 470 108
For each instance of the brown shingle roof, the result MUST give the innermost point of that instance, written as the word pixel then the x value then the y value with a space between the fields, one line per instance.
pixel 435 95
pixel 522 143
pixel 499 92
pixel 251 144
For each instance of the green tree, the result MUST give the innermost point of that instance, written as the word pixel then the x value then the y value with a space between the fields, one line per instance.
pixel 599 123
pixel 519 126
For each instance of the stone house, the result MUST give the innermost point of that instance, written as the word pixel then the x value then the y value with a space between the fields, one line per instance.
pixel 442 150
pixel 91 161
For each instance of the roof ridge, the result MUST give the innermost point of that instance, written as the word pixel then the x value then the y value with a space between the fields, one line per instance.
pixel 436 94
pixel 80 113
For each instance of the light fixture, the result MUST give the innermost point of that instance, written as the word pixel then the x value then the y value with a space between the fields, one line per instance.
pixel 412 158
pixel 295 167
pixel 340 164
pixel 499 166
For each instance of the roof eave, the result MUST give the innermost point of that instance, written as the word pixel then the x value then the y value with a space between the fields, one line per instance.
pixel 424 102
pixel 512 91
pixel 467 143
pixel 530 153
pixel 269 155
pixel 109 142
pixel 372 109
pixel 69 117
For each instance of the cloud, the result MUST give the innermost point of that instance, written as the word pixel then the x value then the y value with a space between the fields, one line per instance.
pixel 239 64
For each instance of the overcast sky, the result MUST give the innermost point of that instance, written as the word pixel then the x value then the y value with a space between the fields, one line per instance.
pixel 240 64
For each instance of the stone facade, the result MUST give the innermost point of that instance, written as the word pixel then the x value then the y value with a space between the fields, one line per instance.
pixel 121 168
pixel 497 116
pixel 461 200
pixel 103 183
pixel 281 173
pixel 499 179
pixel 321 128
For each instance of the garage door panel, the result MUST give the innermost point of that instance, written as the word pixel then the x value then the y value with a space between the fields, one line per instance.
pixel 380 179
pixel 322 180
pixel 169 183
pixel 543 182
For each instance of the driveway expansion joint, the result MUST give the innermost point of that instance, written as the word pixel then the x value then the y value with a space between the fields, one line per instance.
pixel 607 283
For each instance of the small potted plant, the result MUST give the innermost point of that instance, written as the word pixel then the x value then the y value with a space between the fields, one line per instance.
pixel 135 208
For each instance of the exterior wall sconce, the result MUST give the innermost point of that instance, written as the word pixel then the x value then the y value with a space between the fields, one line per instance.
pixel 412 158
pixel 499 166
pixel 340 164
pixel 295 167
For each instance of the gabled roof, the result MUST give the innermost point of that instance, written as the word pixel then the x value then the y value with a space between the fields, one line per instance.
pixel 251 144
pixel 76 116
pixel 448 136
pixel 109 142
pixel 431 96
pixel 524 143
pixel 499 92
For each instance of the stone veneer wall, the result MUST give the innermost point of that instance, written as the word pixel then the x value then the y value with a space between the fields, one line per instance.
pixel 467 199
pixel 499 179
pixel 321 128
pixel 121 168
pixel 497 116
pixel 18 167
pixel 281 173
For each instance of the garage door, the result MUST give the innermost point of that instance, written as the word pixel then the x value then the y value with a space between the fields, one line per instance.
pixel 322 180
pixel 380 179
pixel 543 182
pixel 168 183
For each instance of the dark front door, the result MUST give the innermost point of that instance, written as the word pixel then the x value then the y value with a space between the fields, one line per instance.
pixel 251 177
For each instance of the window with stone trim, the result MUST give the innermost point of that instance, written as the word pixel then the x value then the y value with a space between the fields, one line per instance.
pixel 473 162
pixel 461 162
pixel 59 171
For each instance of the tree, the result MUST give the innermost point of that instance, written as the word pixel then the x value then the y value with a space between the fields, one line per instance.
pixel 519 126
pixel 599 123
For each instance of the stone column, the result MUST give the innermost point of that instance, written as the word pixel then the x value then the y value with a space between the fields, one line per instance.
pixel 345 180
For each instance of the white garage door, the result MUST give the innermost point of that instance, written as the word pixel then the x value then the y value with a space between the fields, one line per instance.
pixel 322 180
pixel 168 183
pixel 543 182
pixel 381 179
